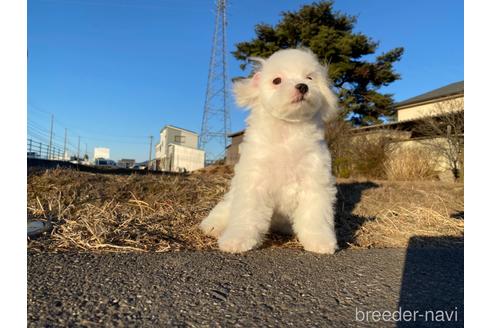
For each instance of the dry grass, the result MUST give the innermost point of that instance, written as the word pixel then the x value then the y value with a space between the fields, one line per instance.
pixel 393 212
pixel 410 164
pixel 96 212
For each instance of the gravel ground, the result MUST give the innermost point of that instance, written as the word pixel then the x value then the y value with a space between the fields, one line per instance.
pixel 269 287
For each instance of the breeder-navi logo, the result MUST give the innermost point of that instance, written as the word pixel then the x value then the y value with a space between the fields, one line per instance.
pixel 407 315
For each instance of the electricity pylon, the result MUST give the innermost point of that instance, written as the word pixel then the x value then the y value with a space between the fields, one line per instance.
pixel 216 123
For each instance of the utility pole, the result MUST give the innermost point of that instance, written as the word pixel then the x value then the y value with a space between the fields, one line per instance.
pixel 65 146
pixel 150 153
pixel 86 154
pixel 78 152
pixel 51 137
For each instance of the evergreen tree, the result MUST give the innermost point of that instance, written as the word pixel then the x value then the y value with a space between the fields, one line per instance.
pixel 330 35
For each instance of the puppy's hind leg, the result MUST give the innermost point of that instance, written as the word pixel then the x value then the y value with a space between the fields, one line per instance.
pixel 215 223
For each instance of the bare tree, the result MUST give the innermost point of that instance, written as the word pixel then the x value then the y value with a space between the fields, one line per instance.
pixel 337 135
pixel 443 131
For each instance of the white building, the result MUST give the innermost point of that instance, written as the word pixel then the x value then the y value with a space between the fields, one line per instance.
pixel 177 150
pixel 101 152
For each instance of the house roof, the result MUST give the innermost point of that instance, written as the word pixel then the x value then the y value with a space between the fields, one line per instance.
pixel 398 124
pixel 235 134
pixel 448 90
pixel 175 127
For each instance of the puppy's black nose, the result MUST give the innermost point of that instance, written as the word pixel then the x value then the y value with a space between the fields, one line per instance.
pixel 303 88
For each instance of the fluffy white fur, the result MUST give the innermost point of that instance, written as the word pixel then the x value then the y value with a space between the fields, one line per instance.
pixel 283 179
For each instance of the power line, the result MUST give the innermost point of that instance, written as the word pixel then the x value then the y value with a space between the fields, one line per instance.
pixel 38 109
pixel 109 4
pixel 36 126
pixel 44 133
pixel 43 130
pixel 40 131
pixel 114 140
pixel 29 127
pixel 82 131
pixel 35 136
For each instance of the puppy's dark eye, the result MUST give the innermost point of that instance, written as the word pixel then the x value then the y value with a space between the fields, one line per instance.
pixel 277 81
pixel 309 77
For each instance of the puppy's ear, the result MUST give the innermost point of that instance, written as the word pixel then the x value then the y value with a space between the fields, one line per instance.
pixel 247 91
pixel 329 108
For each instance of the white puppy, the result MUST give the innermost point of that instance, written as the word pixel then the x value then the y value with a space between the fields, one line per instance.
pixel 283 179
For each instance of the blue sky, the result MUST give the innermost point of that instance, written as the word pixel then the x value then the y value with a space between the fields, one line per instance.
pixel 115 71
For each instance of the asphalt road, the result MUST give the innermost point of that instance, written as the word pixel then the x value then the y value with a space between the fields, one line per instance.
pixel 268 288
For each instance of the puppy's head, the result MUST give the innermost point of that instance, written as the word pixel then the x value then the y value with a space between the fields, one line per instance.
pixel 291 85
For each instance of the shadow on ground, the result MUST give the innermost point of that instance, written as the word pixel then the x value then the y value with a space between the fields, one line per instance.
pixel 460 215
pixel 432 284
pixel 347 223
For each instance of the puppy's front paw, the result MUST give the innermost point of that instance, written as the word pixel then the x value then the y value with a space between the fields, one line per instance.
pixel 211 228
pixel 214 224
pixel 320 244
pixel 236 243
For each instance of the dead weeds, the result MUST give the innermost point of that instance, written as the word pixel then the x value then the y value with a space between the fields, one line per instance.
pixel 140 213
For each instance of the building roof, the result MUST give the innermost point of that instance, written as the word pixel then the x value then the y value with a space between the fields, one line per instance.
pixel 448 90
pixel 397 124
pixel 175 127
pixel 235 134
